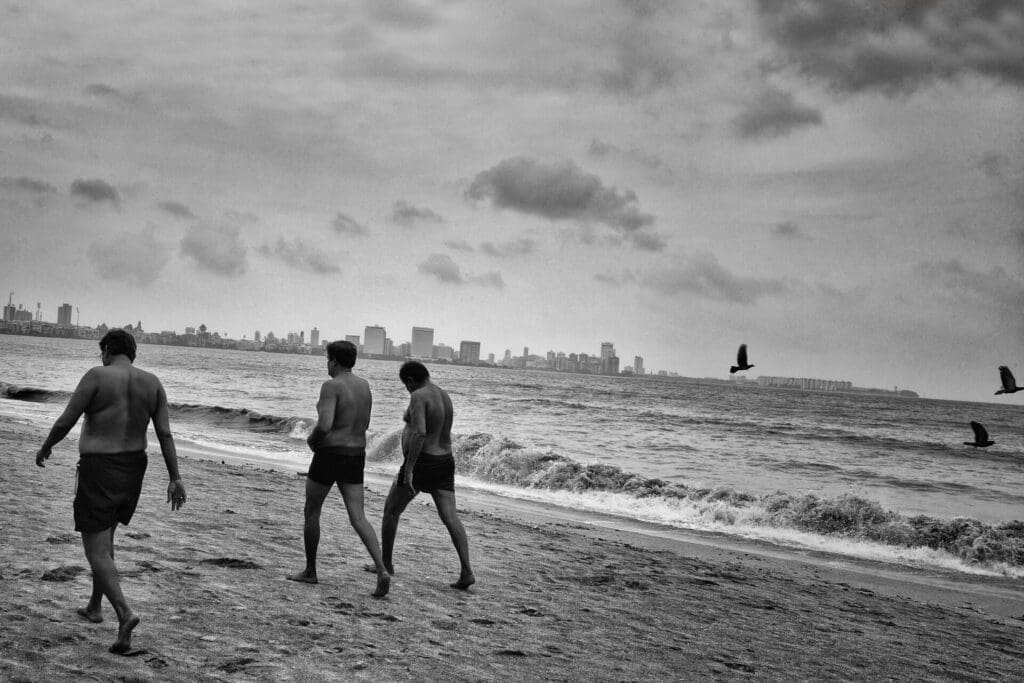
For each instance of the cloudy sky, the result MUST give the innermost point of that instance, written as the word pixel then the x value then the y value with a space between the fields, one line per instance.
pixel 838 184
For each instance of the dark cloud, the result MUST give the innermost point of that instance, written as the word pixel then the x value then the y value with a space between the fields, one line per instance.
pixel 95 190
pixel 100 90
pixel 444 269
pixel 346 225
pixel 135 259
pixel 997 286
pixel 215 248
pixel 404 213
pixel 857 45
pixel 21 110
pixel 28 185
pixel 994 165
pixel 774 114
pixel 789 230
pixel 600 149
pixel 301 256
pixel 519 247
pixel 563 191
pixel 701 275
pixel 177 209
pixel 458 245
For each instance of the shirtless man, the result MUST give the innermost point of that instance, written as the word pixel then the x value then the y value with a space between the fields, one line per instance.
pixel 118 401
pixel 427 465
pixel 338 443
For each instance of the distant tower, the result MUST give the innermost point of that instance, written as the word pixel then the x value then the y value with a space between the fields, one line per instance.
pixel 373 339
pixel 64 315
pixel 39 311
pixel 607 350
pixel 256 336
pixel 314 337
pixel 638 365
pixel 423 342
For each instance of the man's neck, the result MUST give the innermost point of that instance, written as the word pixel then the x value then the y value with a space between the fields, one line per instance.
pixel 340 371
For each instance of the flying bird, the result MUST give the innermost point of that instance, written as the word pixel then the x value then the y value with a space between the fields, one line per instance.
pixel 1009 383
pixel 741 360
pixel 981 439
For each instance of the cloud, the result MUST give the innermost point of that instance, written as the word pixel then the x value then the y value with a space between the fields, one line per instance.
pixel 136 259
pixel 100 90
pixel 177 209
pixel 216 248
pixel 301 256
pixel 789 230
pixel 645 57
pixel 996 286
pixel 22 111
pixel 563 191
pixel 28 185
pixel 856 45
pixel 519 247
pixel 774 114
pixel 600 149
pixel 701 275
pixel 404 213
pixel 458 245
pixel 995 165
pixel 445 270
pixel 345 225
pixel 95 190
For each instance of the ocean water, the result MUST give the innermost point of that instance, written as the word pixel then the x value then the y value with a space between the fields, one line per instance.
pixel 869 476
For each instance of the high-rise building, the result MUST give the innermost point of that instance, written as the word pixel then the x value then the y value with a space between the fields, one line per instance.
pixel 422 342
pixel 256 336
pixel 469 352
pixel 607 350
pixel 373 340
pixel 638 365
pixel 64 314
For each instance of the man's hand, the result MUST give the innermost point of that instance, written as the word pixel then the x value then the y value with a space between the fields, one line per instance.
pixel 42 455
pixel 176 494
pixel 408 483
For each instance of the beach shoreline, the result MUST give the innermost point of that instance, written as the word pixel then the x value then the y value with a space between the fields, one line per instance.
pixel 556 599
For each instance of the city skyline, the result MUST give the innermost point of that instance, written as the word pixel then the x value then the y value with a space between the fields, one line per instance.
pixel 835 184
pixel 315 333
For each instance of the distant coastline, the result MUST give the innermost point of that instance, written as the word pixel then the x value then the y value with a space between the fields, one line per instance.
pixel 45 329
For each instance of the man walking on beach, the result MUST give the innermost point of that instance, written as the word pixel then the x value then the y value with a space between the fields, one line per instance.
pixel 428 465
pixel 118 401
pixel 338 443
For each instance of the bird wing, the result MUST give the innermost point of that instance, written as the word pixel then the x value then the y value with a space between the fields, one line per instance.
pixel 1009 383
pixel 980 433
pixel 741 356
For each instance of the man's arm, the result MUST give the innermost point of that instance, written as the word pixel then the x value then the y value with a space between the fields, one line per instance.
pixel 79 401
pixel 162 427
pixel 325 409
pixel 417 435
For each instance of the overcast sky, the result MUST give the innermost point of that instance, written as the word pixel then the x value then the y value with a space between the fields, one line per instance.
pixel 838 184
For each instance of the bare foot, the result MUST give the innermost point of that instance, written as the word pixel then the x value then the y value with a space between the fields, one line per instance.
pixel 93 615
pixel 464 582
pixel 383 585
pixel 304 577
pixel 124 635
pixel 372 568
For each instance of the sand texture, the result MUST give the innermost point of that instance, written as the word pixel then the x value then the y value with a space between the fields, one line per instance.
pixel 552 602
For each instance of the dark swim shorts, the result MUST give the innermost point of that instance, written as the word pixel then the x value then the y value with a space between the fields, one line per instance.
pixel 431 473
pixel 108 489
pixel 342 464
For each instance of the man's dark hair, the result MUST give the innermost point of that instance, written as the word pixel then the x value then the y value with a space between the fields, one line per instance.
pixel 119 342
pixel 413 370
pixel 342 352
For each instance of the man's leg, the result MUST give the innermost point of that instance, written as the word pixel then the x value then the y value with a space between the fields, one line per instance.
pixel 315 495
pixel 99 552
pixel 395 504
pixel 352 494
pixel 94 610
pixel 445 502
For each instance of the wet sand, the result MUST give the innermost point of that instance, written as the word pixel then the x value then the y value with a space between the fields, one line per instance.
pixel 555 599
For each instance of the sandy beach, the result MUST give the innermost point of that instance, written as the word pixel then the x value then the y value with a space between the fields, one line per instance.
pixel 554 600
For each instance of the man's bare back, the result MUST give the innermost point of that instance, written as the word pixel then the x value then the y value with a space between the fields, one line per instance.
pixel 343 411
pixel 429 415
pixel 122 400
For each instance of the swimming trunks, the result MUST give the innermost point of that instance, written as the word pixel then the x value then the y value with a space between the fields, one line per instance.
pixel 342 464
pixel 108 489
pixel 431 473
